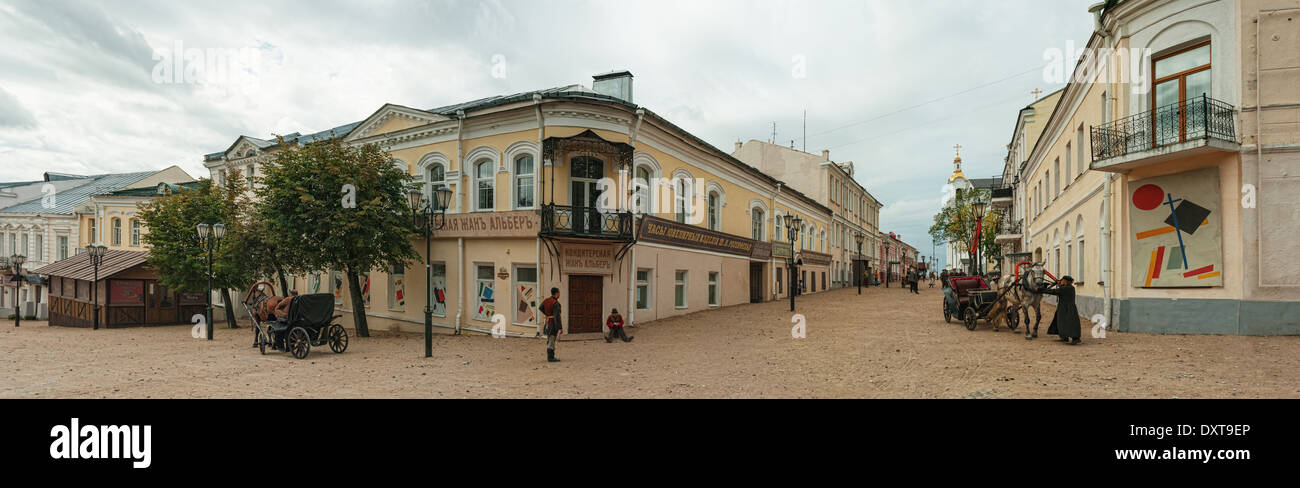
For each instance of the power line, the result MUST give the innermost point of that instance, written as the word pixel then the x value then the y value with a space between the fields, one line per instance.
pixel 928 123
pixel 928 102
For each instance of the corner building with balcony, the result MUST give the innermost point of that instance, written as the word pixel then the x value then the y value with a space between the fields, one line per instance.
pixel 574 188
pixel 1167 185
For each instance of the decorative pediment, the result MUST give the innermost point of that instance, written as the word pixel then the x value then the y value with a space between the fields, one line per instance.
pixel 242 148
pixel 392 118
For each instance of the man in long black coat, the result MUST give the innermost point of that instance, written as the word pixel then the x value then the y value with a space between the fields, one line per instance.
pixel 1066 322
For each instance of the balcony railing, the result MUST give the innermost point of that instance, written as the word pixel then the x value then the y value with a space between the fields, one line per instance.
pixel 1002 193
pixel 1198 118
pixel 586 222
pixel 1010 227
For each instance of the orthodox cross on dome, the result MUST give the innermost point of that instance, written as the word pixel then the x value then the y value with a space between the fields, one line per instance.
pixel 1036 93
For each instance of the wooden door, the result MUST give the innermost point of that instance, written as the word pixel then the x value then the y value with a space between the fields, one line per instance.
pixel 585 303
pixel 755 282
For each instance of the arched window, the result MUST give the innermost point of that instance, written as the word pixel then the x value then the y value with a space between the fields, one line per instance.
pixel 436 177
pixel 117 231
pixel 715 212
pixel 641 187
pixel 524 196
pixel 135 232
pixel 682 199
pixel 1069 251
pixel 756 221
pixel 485 184
pixel 1080 251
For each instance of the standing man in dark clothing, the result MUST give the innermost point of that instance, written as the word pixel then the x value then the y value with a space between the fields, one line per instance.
pixel 553 328
pixel 915 278
pixel 1066 322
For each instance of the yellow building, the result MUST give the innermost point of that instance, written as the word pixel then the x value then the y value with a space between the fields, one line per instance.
pixel 1161 179
pixel 573 188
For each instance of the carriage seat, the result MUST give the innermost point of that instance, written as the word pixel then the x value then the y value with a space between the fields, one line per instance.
pixel 965 284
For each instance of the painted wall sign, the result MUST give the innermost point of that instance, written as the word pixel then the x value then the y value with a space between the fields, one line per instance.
pixel 587 259
pixel 663 231
pixel 521 223
pixel 815 258
pixel 762 250
pixel 1176 237
pixel 781 250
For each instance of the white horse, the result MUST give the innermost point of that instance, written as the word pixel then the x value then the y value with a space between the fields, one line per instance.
pixel 1021 296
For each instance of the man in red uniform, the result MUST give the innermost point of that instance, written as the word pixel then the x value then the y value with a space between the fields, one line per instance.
pixel 553 328
pixel 615 325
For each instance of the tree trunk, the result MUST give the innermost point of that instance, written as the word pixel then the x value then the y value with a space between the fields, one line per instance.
pixel 230 308
pixel 284 284
pixel 358 305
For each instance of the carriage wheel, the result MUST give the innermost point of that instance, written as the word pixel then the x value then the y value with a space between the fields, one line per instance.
pixel 970 318
pixel 1013 320
pixel 947 314
pixel 298 342
pixel 261 340
pixel 338 338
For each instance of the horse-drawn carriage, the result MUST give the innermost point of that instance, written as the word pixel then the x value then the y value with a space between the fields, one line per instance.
pixel 306 321
pixel 969 298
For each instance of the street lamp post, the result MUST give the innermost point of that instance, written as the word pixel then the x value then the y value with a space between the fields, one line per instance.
pixel 210 241
pixel 96 252
pixel 856 269
pixel 429 216
pixel 978 209
pixel 792 226
pixel 18 260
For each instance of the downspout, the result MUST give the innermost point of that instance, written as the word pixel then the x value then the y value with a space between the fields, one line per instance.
pixel 460 206
pixel 775 239
pixel 537 192
pixel 631 274
pixel 1106 267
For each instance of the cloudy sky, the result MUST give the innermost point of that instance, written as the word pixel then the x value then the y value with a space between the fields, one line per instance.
pixel 891 85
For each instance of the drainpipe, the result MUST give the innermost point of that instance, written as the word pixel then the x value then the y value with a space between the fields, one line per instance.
pixel 460 204
pixel 1106 267
pixel 631 275
pixel 775 239
pixel 537 192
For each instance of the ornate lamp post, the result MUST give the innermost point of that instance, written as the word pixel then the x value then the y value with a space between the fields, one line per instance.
pixel 792 225
pixel 429 216
pixel 978 209
pixel 210 241
pixel 18 260
pixel 96 252
pixel 859 238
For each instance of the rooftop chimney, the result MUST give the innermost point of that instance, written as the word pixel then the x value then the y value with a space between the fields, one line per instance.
pixel 826 154
pixel 617 84
pixel 738 144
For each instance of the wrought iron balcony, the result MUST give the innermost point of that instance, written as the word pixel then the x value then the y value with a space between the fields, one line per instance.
pixel 1198 119
pixel 1009 230
pixel 587 223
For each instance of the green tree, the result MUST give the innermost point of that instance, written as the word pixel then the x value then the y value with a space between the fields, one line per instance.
pixel 174 249
pixel 955 223
pixel 335 206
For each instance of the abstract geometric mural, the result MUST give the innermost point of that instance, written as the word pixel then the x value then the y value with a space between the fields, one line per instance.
pixel 1177 230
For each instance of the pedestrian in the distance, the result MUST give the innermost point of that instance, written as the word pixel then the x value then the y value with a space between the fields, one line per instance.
pixel 915 278
pixel 1066 321
pixel 615 325
pixel 551 309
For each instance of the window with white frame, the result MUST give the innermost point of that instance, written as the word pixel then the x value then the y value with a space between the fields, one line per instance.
pixel 62 247
pixel 94 233
pixel 526 296
pixel 135 232
pixel 524 196
pixel 643 289
pixel 485 184
pixel 1069 155
pixel 40 248
pixel 485 305
pixel 715 213
pixel 397 288
pixel 679 289
pixel 713 289
pixel 436 177
pixel 117 231
pixel 641 186
pixel 756 221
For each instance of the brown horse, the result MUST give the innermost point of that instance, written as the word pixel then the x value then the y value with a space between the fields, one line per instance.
pixel 1021 295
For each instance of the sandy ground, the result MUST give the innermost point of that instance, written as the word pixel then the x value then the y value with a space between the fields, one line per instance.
pixel 885 343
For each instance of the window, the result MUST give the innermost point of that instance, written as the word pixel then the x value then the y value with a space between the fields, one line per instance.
pixel 756 225
pixel 397 288
pixel 714 217
pixel 683 198
pixel 643 277
pixel 713 289
pixel 1069 175
pixel 485 177
pixel 439 291
pixel 135 232
pixel 1083 163
pixel 437 178
pixel 524 182
pixel 526 296
pixel 40 248
pixel 1082 261
pixel 780 273
pixel 679 297
pixel 117 231
pixel 823 280
pixel 642 188
pixel 485 292
pixel 62 248
pixel 94 235
pixel 248 172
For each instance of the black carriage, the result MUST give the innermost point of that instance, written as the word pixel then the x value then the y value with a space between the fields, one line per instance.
pixel 969 298
pixel 308 322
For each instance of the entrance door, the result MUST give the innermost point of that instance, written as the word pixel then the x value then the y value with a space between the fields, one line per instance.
pixel 584 193
pixel 585 307
pixel 755 282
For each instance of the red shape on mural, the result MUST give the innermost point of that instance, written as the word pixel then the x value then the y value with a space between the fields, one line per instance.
pixel 1148 197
